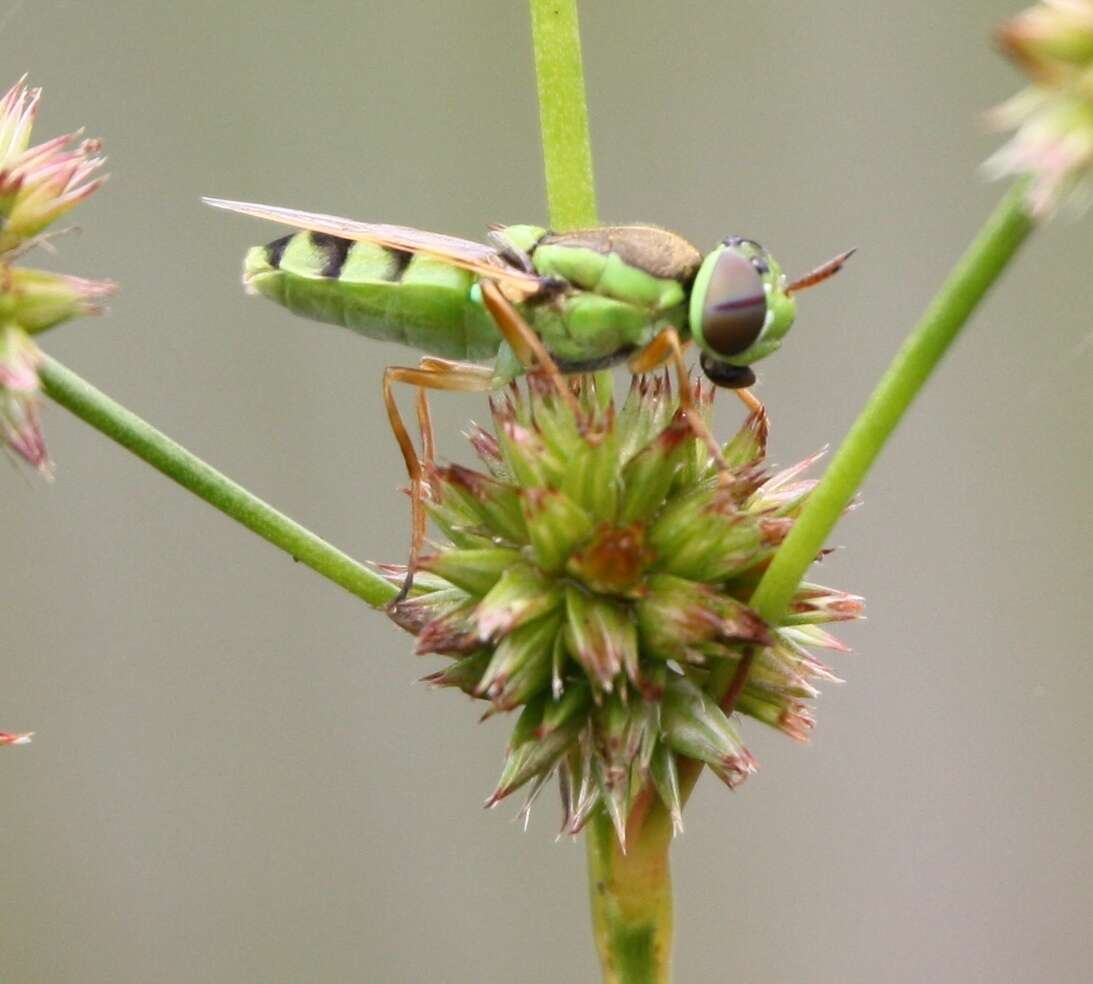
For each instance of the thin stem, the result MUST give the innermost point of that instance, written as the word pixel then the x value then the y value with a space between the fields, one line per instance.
pixel 563 114
pixel 631 893
pixel 563 123
pixel 174 461
pixel 981 265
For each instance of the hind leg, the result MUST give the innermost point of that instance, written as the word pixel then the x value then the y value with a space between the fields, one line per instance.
pixel 432 374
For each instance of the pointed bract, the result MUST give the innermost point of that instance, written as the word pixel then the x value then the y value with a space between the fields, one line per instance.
pixel 521 594
pixel 696 727
pixel 666 780
pixel 20 425
pixel 464 673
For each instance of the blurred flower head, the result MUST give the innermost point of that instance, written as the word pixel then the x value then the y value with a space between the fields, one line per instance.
pixel 36 300
pixel 37 185
pixel 1053 117
pixel 20 428
pixel 8 738
pixel 596 572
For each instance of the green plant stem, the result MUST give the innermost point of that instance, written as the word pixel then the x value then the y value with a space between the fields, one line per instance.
pixel 136 435
pixel 631 894
pixel 563 114
pixel 980 266
pixel 631 897
pixel 563 123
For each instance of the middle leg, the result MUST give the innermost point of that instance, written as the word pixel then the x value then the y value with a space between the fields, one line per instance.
pixel 525 344
pixel 667 347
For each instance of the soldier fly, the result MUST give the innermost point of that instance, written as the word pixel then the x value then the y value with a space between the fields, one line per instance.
pixel 557 303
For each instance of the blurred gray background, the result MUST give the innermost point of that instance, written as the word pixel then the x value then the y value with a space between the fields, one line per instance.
pixel 234 779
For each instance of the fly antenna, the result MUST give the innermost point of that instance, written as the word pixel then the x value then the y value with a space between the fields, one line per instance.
pixel 821 273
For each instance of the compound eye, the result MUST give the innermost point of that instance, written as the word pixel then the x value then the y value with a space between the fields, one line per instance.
pixel 735 307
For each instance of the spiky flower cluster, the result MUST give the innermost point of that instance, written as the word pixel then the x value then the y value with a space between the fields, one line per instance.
pixel 1053 117
pixel 598 569
pixel 37 186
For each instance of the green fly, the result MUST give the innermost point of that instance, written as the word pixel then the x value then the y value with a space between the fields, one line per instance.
pixel 560 303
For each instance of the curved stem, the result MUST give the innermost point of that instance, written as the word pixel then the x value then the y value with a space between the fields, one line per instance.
pixel 631 893
pixel 136 435
pixel 977 270
pixel 981 265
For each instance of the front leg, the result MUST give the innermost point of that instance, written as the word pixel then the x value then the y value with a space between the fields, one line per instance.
pixel 667 347
pixel 736 378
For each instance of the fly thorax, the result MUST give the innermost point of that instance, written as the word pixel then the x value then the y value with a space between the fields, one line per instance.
pixel 645 266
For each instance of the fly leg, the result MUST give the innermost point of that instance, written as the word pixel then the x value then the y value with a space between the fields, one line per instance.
pixel 666 347
pixel 751 401
pixel 432 374
pixel 736 378
pixel 425 426
pixel 525 344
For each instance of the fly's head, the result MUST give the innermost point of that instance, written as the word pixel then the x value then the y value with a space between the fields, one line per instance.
pixel 742 306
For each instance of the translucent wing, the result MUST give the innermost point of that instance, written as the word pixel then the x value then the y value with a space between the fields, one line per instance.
pixel 476 257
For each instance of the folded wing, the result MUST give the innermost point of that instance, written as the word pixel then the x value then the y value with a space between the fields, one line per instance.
pixel 476 257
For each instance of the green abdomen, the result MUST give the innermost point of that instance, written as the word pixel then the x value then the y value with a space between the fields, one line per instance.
pixel 436 308
pixel 386 294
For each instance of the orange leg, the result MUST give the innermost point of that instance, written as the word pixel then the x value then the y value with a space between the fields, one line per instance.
pixel 751 401
pixel 425 426
pixel 524 343
pixel 433 374
pixel 440 374
pixel 666 347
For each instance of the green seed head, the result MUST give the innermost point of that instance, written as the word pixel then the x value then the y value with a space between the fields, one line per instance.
pixel 597 570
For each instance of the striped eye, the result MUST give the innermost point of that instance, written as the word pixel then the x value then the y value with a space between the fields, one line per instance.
pixel 734 309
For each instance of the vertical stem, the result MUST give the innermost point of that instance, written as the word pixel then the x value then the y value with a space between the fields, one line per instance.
pixel 631 902
pixel 563 114
pixel 563 123
pixel 631 893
